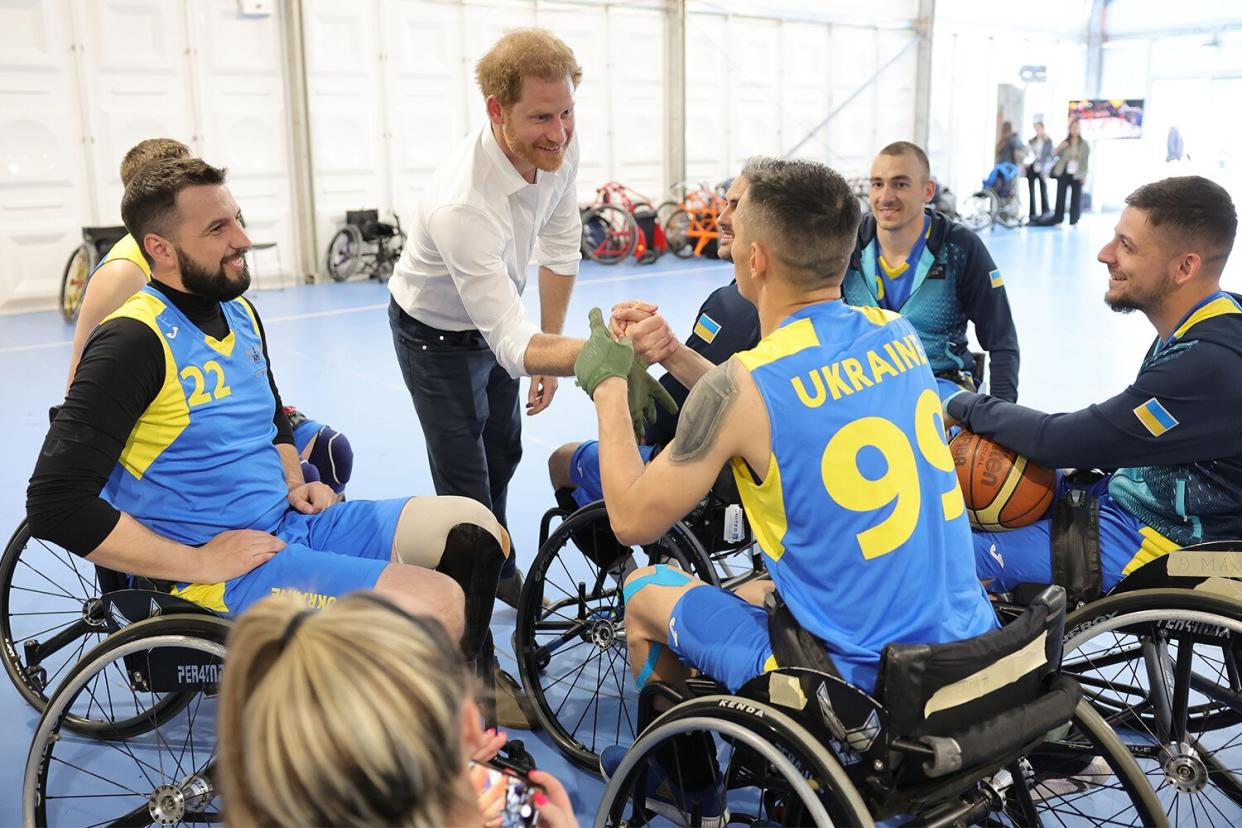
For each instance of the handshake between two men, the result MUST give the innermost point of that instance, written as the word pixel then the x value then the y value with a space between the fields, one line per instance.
pixel 636 336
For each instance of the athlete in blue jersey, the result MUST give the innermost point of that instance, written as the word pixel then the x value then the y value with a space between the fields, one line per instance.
pixel 936 272
pixel 1173 436
pixel 833 431
pixel 172 459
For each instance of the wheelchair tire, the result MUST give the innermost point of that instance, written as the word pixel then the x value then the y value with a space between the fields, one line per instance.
pixel 979 210
pixel 174 785
pixel 797 773
pixel 73 281
pixel 677 234
pixel 46 592
pixel 344 253
pixel 1164 668
pixel 609 234
pixel 583 625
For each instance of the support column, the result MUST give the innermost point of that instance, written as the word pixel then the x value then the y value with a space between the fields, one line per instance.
pixel 923 77
pixel 1095 50
pixel 675 94
pixel 306 262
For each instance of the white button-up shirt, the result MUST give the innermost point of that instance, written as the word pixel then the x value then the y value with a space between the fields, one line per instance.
pixel 475 229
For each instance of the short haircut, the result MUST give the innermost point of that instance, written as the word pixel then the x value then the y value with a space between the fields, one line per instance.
pixel 907 148
pixel 524 53
pixel 150 201
pixel 808 215
pixel 1191 208
pixel 144 152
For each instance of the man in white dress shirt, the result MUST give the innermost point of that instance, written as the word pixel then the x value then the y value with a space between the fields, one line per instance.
pixel 505 195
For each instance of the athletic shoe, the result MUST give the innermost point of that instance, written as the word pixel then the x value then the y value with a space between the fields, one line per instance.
pixel 669 800
pixel 514 710
pixel 510 589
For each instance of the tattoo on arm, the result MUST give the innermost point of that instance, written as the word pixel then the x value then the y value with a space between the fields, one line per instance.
pixel 704 411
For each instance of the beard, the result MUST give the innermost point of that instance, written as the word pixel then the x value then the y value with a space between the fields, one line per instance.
pixel 531 155
pixel 215 286
pixel 1129 304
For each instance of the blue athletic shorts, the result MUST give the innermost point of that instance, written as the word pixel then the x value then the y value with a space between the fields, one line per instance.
pixel 340 550
pixel 1024 556
pixel 720 634
pixel 584 471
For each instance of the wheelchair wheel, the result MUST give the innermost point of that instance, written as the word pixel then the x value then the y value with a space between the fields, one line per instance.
pixel 609 234
pixel 344 253
pixel 1164 668
pixel 50 614
pixel 769 770
pixel 1084 776
pixel 160 775
pixel 73 280
pixel 1009 214
pixel 570 648
pixel 677 234
pixel 980 210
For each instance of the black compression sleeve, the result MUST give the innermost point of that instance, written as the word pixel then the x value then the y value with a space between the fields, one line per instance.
pixel 121 371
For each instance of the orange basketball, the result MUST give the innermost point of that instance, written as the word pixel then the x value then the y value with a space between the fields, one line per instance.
pixel 1003 490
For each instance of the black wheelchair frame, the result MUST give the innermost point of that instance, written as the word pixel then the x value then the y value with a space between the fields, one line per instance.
pixel 365 240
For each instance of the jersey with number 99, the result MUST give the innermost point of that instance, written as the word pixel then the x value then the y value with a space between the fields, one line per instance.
pixel 859 512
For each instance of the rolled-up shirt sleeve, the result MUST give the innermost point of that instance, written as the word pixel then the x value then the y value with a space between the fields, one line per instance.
pixel 559 248
pixel 471 247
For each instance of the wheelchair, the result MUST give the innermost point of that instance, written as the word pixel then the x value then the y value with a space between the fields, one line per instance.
pixel 96 241
pixel 1160 659
pixel 570 635
pixel 981 731
pixel 998 201
pixel 365 240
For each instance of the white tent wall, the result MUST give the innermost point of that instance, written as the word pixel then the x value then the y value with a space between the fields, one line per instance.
pixel 979 45
pixel 83 80
pixel 764 79
pixel 1186 63
pixel 391 89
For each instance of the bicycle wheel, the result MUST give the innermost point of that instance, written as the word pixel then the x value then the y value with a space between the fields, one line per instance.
pixel 73 280
pixel 677 234
pixel 980 209
pixel 344 253
pixel 609 234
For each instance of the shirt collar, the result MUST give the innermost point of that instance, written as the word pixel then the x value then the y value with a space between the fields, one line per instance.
pixel 510 178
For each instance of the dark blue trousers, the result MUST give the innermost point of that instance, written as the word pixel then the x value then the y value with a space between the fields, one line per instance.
pixel 468 408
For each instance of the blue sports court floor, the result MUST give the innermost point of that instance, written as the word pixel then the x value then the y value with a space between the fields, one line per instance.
pixel 332 354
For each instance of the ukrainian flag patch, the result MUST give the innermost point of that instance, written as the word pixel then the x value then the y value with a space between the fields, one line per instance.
pixel 706 328
pixel 1155 417
pixel 995 276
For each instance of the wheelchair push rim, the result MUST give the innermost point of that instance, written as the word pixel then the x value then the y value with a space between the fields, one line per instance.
pixel 344 253
pixel 571 650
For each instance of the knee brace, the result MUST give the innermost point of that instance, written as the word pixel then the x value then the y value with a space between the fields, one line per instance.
pixel 473 558
pixel 334 458
pixel 310 472
pixel 597 542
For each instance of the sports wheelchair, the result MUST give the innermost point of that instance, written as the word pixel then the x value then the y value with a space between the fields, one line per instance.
pixel 383 245
pixel 96 241
pixel 998 201
pixel 570 636
pixel 981 731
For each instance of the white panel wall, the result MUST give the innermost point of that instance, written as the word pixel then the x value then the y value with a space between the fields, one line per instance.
pixel 764 82
pixel 391 90
pixel 43 193
pixel 81 81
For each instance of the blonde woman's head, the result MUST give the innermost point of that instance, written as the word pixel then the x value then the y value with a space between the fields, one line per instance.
pixel 350 716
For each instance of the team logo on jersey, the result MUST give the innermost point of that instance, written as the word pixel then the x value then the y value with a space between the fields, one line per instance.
pixel 706 328
pixel 173 333
pixel 1155 417
pixel 255 353
pixel 995 276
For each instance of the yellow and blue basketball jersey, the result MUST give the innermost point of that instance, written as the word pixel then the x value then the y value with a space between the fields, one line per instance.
pixel 127 250
pixel 200 459
pixel 859 512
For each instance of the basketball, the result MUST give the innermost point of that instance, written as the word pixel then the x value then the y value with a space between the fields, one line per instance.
pixel 1003 490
